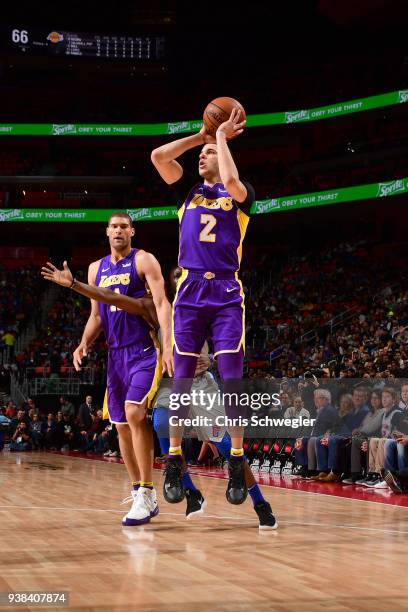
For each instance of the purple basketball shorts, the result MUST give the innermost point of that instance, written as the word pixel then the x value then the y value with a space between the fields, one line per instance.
pixel 208 308
pixel 133 376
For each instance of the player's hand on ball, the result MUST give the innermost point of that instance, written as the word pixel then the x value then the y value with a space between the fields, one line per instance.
pixel 207 138
pixel 168 361
pixel 233 127
pixel 60 277
pixel 80 352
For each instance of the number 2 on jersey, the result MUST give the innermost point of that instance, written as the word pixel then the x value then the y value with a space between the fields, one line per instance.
pixel 210 222
pixel 115 308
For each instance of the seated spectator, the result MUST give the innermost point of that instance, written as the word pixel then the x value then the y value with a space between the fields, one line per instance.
pixel 67 407
pixel 15 422
pixel 31 413
pixel 396 448
pixel 4 426
pixel 85 412
pixel 36 431
pixel 404 397
pixel 327 446
pixel 297 410
pixel 10 410
pixel 360 409
pixel 285 404
pixel 70 433
pixel 376 446
pixel 30 407
pixel 50 433
pixel 92 439
pixel 4 420
pixel 113 441
pixel 396 458
pixel 305 448
pixel 21 439
pixel 397 481
pixel 371 426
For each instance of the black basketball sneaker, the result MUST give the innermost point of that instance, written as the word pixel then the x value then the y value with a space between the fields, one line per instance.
pixel 196 504
pixel 173 489
pixel 236 490
pixel 266 518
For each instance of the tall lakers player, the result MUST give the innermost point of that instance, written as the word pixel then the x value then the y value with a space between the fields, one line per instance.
pixel 133 360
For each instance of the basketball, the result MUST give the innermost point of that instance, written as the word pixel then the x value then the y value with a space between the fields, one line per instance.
pixel 218 111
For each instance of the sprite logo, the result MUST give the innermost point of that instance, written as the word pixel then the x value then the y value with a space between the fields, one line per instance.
pixel 266 206
pixel 176 128
pixel 403 96
pixel 11 215
pixel 295 116
pixel 139 214
pixel 62 130
pixel 386 189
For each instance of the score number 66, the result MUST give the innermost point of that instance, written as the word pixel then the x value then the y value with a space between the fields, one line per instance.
pixel 19 36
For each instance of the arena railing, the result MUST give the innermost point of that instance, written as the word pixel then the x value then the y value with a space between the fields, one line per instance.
pixel 16 391
pixel 52 386
pixel 85 376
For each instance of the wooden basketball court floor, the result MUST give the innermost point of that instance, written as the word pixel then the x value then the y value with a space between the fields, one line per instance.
pixel 60 530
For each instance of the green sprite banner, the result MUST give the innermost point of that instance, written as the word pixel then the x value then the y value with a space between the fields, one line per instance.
pixel 260 207
pixel 85 214
pixel 181 127
pixel 333 196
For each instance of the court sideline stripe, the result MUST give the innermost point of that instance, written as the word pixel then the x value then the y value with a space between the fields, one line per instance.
pixel 235 518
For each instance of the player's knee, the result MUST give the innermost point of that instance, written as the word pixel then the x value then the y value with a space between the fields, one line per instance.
pixel 161 422
pixel 123 430
pixel 135 413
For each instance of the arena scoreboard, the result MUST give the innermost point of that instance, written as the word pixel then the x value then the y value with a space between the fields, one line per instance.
pixel 143 48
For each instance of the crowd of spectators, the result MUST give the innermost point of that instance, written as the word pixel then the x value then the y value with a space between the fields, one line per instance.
pixel 352 431
pixel 360 431
pixel 49 354
pixel 339 310
pixel 64 428
pixel 295 323
pixel 20 291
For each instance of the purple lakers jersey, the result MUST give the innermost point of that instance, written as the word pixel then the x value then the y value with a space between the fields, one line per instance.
pixel 212 229
pixel 121 328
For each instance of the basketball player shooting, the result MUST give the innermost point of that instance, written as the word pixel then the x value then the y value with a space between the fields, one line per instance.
pixel 210 301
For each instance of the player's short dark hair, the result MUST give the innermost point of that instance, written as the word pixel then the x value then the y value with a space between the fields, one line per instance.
pixel 121 214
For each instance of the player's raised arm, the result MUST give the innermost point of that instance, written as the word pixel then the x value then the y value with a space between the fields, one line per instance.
pixel 148 266
pixel 164 157
pixel 228 170
pixel 143 307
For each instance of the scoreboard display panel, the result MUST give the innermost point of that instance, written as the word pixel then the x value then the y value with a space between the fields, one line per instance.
pixel 143 48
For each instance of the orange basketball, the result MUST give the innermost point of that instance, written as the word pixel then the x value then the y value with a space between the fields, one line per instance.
pixel 218 111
